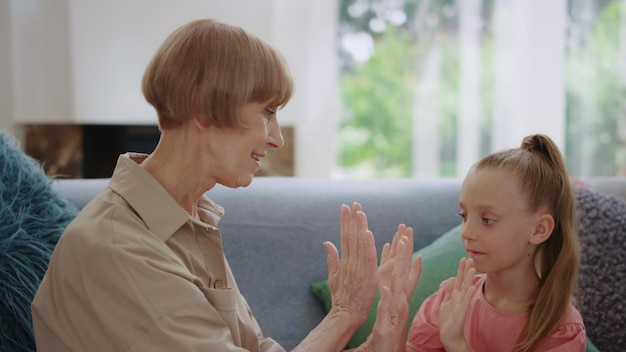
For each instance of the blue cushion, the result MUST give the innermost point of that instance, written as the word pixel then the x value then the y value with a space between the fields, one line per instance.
pixel 32 218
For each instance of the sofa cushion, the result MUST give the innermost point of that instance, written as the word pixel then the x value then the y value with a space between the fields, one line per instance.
pixel 602 279
pixel 32 218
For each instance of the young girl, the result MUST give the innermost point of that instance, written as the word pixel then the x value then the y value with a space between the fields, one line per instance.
pixel 519 230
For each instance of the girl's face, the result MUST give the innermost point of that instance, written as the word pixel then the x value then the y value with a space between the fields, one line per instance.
pixel 496 223
pixel 236 153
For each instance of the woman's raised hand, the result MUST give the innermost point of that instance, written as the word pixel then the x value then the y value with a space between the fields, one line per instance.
pixel 398 279
pixel 353 280
pixel 388 259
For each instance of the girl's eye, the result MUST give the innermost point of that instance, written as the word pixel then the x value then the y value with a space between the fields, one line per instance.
pixel 462 216
pixel 487 221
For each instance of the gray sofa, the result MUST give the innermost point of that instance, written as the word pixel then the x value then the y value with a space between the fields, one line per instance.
pixel 273 232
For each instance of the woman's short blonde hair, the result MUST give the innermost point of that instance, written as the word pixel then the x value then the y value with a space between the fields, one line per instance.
pixel 212 69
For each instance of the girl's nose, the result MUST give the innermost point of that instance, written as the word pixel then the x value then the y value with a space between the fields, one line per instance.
pixel 466 232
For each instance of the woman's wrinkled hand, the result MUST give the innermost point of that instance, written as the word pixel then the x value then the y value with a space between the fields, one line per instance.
pixel 398 280
pixel 388 261
pixel 353 280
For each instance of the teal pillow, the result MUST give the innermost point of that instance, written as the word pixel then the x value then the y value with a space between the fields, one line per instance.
pixel 440 261
pixel 33 218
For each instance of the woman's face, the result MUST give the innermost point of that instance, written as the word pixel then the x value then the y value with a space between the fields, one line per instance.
pixel 237 152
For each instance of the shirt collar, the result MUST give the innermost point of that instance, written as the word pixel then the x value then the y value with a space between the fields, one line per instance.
pixel 154 205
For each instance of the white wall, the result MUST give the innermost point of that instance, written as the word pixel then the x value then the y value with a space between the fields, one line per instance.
pixel 41 84
pixel 6 68
pixel 81 61
pixel 529 88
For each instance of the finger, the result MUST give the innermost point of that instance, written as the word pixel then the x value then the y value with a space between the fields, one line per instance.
pixel 396 238
pixel 332 258
pixel 367 271
pixel 401 267
pixel 415 270
pixel 449 288
pixel 359 243
pixel 409 233
pixel 467 297
pixel 384 255
pixel 460 274
pixel 468 289
pixel 469 263
pixel 346 221
pixel 371 255
pixel 363 263
pixel 468 280
pixel 353 234
pixel 414 276
pixel 362 225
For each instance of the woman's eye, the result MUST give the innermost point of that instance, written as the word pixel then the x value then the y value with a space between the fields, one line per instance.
pixel 269 112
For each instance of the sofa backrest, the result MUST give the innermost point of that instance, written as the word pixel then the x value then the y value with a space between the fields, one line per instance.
pixel 273 232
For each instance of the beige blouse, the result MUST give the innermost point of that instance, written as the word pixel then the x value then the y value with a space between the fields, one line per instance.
pixel 135 272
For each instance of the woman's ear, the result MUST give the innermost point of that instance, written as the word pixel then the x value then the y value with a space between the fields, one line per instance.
pixel 196 111
pixel 200 122
pixel 543 229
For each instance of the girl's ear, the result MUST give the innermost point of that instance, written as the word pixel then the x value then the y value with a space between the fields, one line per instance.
pixel 543 229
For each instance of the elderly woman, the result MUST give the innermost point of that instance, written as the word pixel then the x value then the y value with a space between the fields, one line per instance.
pixel 142 267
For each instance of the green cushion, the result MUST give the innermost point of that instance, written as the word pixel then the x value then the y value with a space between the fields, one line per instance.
pixel 440 261
pixel 591 347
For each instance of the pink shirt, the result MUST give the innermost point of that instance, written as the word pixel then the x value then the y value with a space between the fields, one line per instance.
pixel 487 329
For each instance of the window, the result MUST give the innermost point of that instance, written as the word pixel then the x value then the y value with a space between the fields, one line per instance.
pixel 428 87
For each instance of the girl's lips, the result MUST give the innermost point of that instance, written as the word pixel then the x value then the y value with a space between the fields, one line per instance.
pixel 474 254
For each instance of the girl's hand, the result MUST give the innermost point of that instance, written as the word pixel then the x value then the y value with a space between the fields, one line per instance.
pixel 455 305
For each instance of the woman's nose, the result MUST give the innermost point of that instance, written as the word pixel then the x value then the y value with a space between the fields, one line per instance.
pixel 275 138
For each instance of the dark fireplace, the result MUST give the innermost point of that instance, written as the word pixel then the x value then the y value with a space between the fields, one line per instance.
pixel 102 144
pixel 91 151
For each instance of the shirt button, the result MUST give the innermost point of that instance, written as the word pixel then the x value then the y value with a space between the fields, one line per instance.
pixel 218 284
